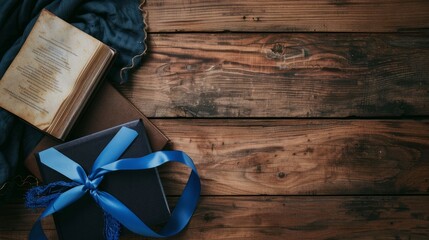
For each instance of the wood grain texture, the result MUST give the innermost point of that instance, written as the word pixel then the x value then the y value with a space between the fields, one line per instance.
pixel 255 71
pixel 310 218
pixel 283 75
pixel 278 217
pixel 287 16
pixel 16 221
pixel 301 157
pixel 20 235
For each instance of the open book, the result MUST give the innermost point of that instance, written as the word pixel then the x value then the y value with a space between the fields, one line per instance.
pixel 53 75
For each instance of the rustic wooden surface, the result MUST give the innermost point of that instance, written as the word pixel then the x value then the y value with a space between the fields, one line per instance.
pixel 302 157
pixel 283 75
pixel 287 16
pixel 306 119
pixel 283 217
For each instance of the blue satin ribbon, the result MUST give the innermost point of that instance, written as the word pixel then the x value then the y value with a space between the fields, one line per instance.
pixel 107 162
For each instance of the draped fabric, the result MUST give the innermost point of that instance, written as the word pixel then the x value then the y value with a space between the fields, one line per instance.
pixel 118 23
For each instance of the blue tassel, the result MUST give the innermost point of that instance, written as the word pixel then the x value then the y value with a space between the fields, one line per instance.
pixel 42 196
pixel 112 227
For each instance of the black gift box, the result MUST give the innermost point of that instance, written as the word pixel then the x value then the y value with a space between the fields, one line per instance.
pixel 141 190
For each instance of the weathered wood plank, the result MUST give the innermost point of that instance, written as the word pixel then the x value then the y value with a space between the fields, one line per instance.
pixel 310 157
pixel 15 217
pixel 290 16
pixel 20 235
pixel 310 218
pixel 263 217
pixel 283 75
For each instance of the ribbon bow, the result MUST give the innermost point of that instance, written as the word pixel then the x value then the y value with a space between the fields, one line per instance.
pixel 107 162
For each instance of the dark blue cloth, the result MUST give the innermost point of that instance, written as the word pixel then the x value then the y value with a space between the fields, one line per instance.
pixel 118 23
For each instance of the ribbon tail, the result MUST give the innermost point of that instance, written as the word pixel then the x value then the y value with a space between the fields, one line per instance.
pixel 184 209
pixel 37 231
pixel 114 149
pixel 152 160
pixel 61 202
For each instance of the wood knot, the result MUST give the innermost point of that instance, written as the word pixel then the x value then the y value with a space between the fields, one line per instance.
pixel 309 150
pixel 281 174
pixel 208 217
pixel 278 48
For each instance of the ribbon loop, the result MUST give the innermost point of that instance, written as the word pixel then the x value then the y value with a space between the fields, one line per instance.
pixel 64 165
pixel 107 162
pixel 115 148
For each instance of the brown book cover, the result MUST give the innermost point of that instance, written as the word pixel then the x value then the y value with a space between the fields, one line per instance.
pixel 108 108
pixel 140 190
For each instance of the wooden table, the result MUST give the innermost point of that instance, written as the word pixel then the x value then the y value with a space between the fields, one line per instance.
pixel 306 119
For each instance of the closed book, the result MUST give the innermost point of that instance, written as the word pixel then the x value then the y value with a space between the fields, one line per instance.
pixel 141 190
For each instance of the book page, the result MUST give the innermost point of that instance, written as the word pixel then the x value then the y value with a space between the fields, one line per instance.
pixel 45 70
